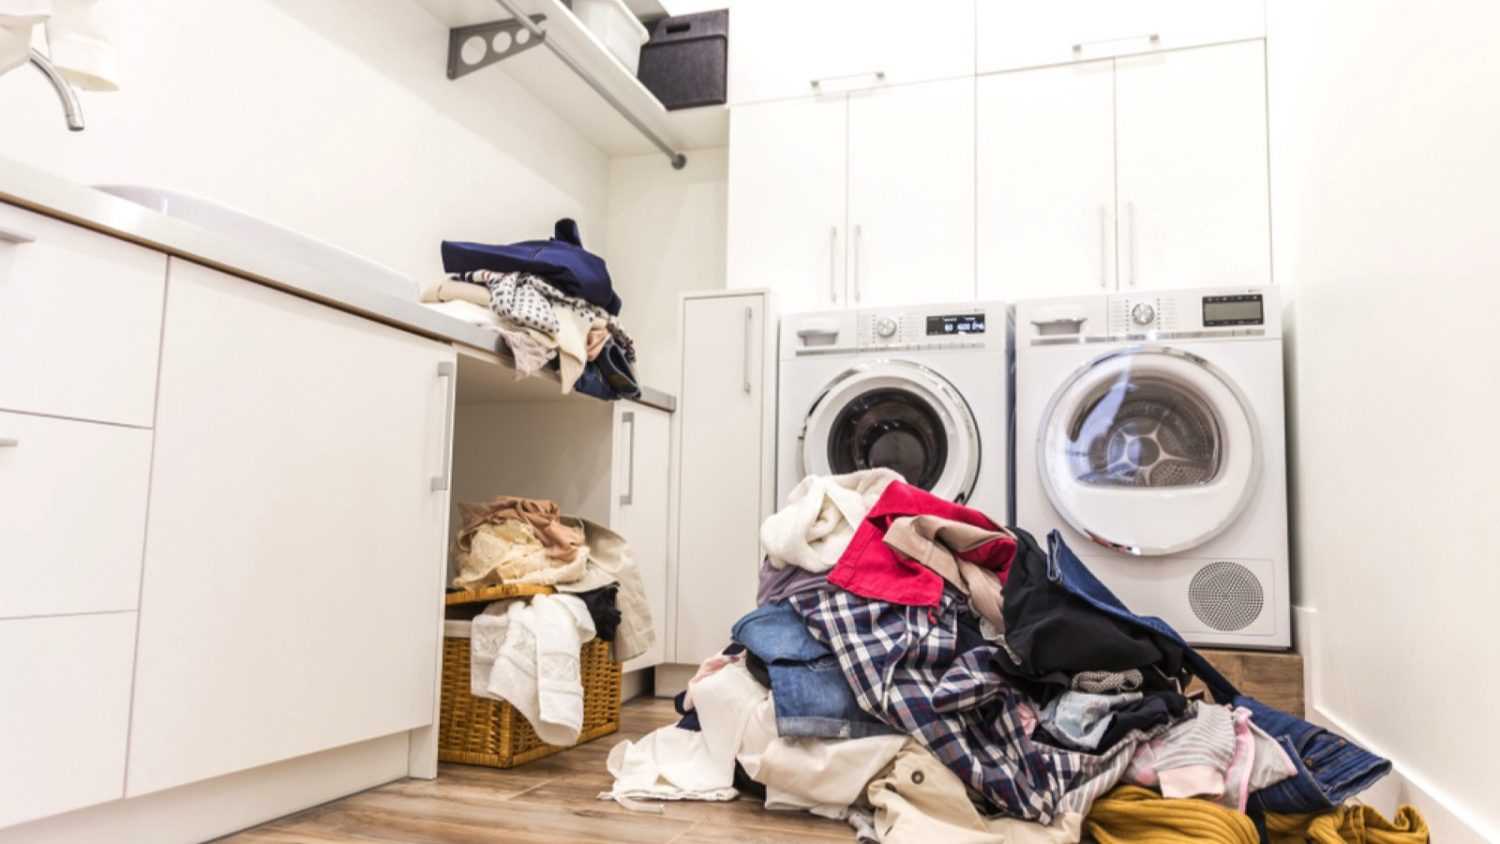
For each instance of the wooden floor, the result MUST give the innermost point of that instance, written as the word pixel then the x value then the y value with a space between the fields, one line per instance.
pixel 552 800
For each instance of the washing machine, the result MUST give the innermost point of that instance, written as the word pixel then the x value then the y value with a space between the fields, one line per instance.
pixel 918 389
pixel 1150 432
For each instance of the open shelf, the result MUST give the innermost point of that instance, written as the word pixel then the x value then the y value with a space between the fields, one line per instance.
pixel 556 85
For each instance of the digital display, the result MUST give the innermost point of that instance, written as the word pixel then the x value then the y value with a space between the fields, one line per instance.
pixel 955 324
pixel 1248 309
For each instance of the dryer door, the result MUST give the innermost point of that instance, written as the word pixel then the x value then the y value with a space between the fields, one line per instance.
pixel 898 415
pixel 1149 450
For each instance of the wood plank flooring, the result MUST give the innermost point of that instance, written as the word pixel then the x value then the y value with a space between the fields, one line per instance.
pixel 551 800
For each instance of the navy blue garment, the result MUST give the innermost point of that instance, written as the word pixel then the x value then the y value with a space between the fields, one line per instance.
pixel 562 261
pixel 1330 769
pixel 609 376
pixel 811 696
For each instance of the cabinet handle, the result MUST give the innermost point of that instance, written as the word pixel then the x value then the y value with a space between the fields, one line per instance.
pixel 9 442
pixel 1103 248
pixel 875 75
pixel 441 482
pixel 15 236
pixel 1153 37
pixel 628 497
pixel 749 320
pixel 859 239
pixel 1130 238
pixel 833 268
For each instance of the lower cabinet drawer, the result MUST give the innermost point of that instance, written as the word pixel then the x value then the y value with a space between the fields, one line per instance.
pixel 64 712
pixel 72 515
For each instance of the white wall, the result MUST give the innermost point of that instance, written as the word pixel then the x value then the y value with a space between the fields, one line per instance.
pixel 334 118
pixel 665 235
pixel 1386 171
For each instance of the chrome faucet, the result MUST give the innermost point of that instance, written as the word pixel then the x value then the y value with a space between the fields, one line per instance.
pixel 72 110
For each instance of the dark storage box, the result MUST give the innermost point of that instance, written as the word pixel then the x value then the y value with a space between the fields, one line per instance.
pixel 685 64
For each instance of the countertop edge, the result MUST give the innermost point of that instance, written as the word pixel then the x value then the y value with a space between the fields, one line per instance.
pixel 54 196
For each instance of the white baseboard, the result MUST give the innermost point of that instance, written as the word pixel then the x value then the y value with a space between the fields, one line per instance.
pixel 212 808
pixel 1450 821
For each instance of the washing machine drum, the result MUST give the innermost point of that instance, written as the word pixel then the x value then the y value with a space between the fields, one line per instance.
pixel 1150 451
pixel 897 415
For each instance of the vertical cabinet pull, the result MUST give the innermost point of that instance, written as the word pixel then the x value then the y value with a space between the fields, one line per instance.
pixel 1130 238
pixel 833 264
pixel 8 442
pixel 440 483
pixel 15 236
pixel 1103 248
pixel 627 498
pixel 749 321
pixel 859 237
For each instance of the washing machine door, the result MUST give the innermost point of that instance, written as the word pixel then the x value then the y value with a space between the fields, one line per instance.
pixel 1149 450
pixel 898 415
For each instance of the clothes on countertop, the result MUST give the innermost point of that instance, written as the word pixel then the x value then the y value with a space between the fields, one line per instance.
pixel 535 666
pixel 455 290
pixel 609 376
pixel 597 336
pixel 562 261
pixel 820 516
pixel 868 567
pixel 530 349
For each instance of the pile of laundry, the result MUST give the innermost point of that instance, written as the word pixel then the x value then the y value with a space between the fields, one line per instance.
pixel 553 304
pixel 525 651
pixel 927 675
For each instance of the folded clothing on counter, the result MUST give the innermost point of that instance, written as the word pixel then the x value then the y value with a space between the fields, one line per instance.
pixel 562 261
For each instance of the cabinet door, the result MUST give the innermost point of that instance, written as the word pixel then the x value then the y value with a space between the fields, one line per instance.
pixel 787 200
pixel 720 414
pixel 794 48
pixel 1046 204
pixel 911 194
pixel 291 597
pixel 1015 34
pixel 64 711
pixel 1194 197
pixel 640 503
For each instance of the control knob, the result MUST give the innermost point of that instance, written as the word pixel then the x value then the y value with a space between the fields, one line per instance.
pixel 1143 314
pixel 885 327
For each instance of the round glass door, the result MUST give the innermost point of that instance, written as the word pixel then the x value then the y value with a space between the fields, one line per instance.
pixel 1149 451
pixel 895 415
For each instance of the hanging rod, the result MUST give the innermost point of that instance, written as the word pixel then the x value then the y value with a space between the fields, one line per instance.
pixel 678 159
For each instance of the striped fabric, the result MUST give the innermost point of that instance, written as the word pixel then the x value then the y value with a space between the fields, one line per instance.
pixel 906 667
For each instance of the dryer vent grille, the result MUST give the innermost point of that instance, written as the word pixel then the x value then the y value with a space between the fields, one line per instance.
pixel 1226 596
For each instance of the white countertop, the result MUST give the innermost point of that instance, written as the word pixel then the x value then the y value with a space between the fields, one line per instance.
pixel 23 185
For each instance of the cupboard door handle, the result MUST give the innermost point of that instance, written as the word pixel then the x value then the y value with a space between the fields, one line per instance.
pixel 749 320
pixel 9 442
pixel 1153 37
pixel 859 238
pixel 15 236
pixel 833 268
pixel 875 75
pixel 441 482
pixel 1130 237
pixel 627 498
pixel 1103 248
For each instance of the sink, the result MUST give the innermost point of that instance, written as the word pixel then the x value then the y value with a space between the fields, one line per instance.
pixel 258 234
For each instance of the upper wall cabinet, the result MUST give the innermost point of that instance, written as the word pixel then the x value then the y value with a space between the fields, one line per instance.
pixel 795 48
pixel 1024 33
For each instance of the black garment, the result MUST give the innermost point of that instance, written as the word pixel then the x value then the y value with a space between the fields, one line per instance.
pixel 1152 710
pixel 609 376
pixel 1052 633
pixel 603 610
pixel 757 668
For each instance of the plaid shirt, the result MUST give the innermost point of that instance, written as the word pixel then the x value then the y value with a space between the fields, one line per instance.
pixel 904 666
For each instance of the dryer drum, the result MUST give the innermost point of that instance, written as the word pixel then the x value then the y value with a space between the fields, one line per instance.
pixel 1145 431
pixel 893 429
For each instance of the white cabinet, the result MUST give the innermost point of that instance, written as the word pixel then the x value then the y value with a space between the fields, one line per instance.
pixel 72 515
pixel 640 504
pixel 911 194
pixel 857 199
pixel 726 433
pixel 788 199
pixel 1193 169
pixel 291 595
pixel 64 712
pixel 1015 33
pixel 793 48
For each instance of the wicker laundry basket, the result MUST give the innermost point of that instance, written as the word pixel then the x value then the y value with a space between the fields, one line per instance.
pixel 479 731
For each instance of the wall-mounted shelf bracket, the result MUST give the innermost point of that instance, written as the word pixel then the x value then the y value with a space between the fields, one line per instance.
pixel 475 47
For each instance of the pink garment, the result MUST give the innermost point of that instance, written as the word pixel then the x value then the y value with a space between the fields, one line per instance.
pixel 1237 776
pixel 710 666
pixel 871 569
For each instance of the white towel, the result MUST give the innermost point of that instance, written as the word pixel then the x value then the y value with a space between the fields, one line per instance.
pixel 79 39
pixel 537 669
pixel 820 517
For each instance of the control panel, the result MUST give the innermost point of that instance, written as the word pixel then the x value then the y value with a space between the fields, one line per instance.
pixel 927 328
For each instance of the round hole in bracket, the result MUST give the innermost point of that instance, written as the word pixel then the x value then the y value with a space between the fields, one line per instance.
pixel 501 42
pixel 473 50
pixel 523 36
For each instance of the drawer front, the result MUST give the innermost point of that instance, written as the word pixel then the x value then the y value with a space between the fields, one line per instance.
pixel 65 684
pixel 80 321
pixel 72 515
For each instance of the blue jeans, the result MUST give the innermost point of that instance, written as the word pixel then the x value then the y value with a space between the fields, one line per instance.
pixel 811 696
pixel 1329 768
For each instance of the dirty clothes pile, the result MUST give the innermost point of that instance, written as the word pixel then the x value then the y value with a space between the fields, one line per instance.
pixel 525 650
pixel 553 304
pixel 926 674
